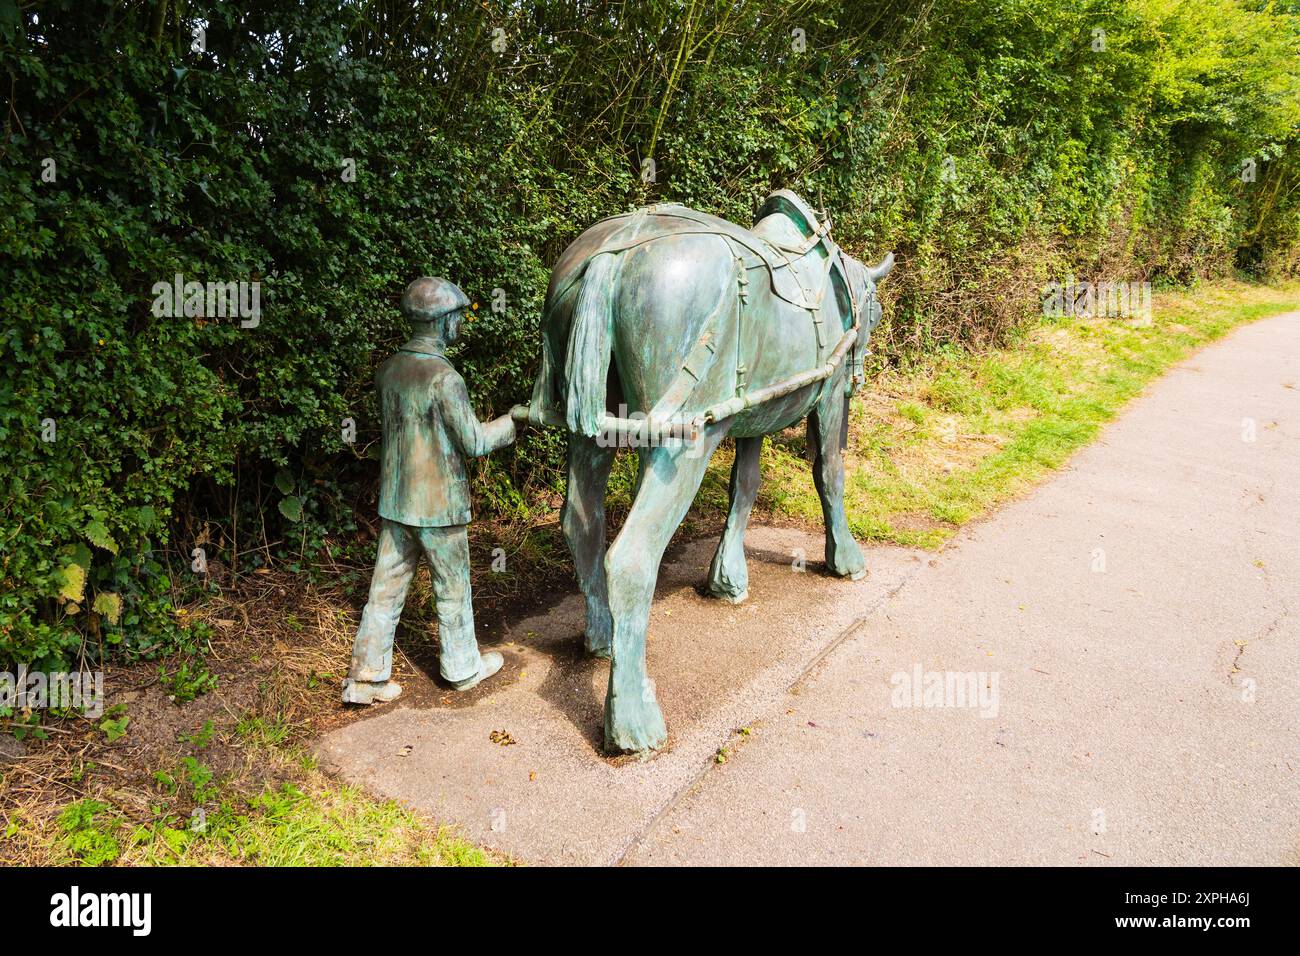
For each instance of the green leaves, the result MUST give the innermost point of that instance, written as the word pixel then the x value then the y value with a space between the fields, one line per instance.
pixel 97 534
pixel 291 508
pixel 114 728
pixel 73 586
pixel 108 604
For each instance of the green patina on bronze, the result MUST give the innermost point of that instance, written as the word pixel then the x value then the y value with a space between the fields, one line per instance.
pixel 429 429
pixel 669 329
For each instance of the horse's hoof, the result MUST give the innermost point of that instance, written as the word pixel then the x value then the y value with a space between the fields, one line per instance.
pixel 732 598
pixel 614 749
pixel 603 651
pixel 847 562
pixel 642 730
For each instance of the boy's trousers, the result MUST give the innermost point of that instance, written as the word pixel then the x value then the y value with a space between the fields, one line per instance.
pixel 400 548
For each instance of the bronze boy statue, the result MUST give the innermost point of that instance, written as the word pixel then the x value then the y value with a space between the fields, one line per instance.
pixel 429 428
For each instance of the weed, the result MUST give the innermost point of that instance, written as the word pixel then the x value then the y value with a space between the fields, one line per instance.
pixel 87 833
pixel 202 738
pixel 192 679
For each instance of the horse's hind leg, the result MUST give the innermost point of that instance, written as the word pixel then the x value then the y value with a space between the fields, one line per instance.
pixel 669 479
pixel 825 431
pixel 583 521
pixel 729 576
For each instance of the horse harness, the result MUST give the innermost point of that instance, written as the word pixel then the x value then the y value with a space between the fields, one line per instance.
pixel 795 274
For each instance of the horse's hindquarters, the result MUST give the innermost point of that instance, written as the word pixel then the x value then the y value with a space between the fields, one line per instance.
pixel 671 292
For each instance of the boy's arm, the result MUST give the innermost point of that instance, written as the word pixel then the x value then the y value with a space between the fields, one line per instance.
pixel 471 437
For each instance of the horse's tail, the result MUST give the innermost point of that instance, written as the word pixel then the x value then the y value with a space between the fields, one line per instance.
pixel 590 333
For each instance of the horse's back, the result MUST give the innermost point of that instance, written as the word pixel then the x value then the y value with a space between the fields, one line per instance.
pixel 684 278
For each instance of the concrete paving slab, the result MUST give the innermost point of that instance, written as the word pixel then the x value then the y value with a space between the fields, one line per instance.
pixel 551 797
pixel 1137 618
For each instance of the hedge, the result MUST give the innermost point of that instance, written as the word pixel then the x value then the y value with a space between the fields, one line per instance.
pixel 331 151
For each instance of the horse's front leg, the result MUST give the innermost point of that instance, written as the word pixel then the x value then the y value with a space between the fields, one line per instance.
pixel 729 575
pixel 825 430
pixel 583 520
pixel 669 478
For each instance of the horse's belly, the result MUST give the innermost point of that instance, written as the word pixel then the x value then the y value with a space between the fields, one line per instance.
pixel 777 414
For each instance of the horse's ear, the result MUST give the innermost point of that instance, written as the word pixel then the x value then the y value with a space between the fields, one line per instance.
pixel 879 272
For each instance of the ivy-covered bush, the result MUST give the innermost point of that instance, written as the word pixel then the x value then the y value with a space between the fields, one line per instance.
pixel 324 153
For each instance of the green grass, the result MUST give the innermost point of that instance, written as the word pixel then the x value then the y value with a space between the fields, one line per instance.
pixel 269 806
pixel 938 445
pixel 257 731
pixel 287 826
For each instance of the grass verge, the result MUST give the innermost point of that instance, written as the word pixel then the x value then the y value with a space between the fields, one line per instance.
pixel 193 815
pixel 934 446
pixel 288 826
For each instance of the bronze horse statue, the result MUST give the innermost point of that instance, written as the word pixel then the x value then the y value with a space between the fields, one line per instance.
pixel 668 329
